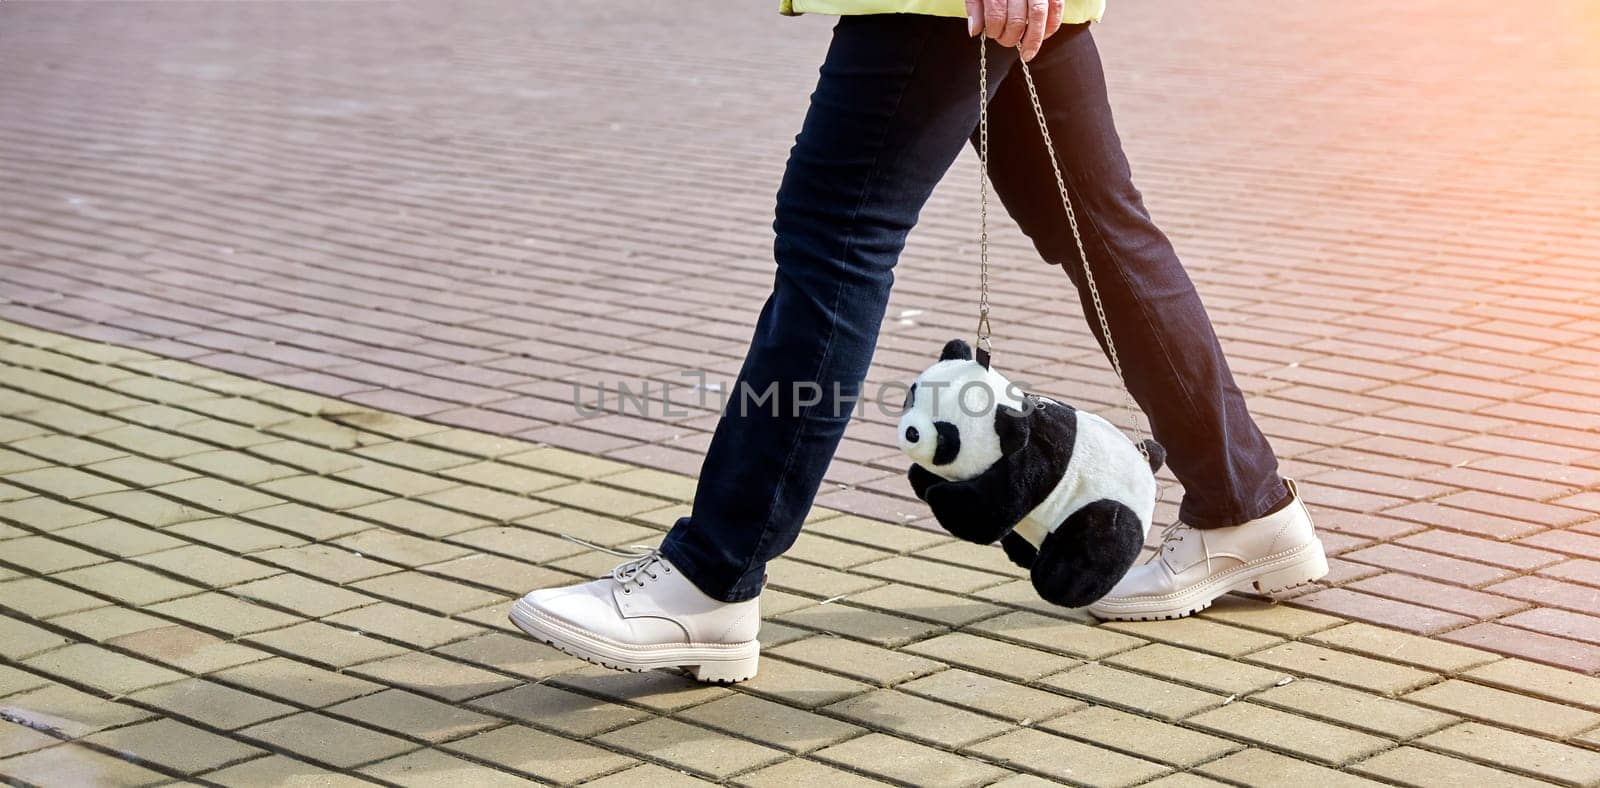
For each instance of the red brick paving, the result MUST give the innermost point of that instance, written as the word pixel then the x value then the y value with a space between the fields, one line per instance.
pixel 456 212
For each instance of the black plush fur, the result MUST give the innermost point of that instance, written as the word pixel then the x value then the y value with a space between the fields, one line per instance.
pixel 986 507
pixel 1084 558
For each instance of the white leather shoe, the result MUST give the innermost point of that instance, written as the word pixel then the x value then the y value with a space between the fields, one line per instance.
pixel 1193 566
pixel 646 615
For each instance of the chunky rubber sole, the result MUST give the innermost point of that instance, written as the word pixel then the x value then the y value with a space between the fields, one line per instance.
pixel 715 663
pixel 1270 575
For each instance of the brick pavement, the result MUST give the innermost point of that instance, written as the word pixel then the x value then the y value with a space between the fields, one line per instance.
pixel 457 212
pixel 211 579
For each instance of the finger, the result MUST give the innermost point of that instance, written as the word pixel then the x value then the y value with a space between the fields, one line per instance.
pixel 1016 23
pixel 1034 36
pixel 1052 21
pixel 994 18
pixel 974 17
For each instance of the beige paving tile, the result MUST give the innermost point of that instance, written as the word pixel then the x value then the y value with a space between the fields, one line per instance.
pixel 16 738
pixel 541 755
pixel 991 655
pixel 1279 730
pixel 499 506
pixel 395 547
pixel 1531 678
pixel 147 509
pixel 313 524
pixel 595 497
pixel 174 745
pixel 518 542
pixel 512 578
pixel 773 724
pixel 324 739
pixel 1517 752
pixel 911 570
pixel 415 456
pixel 505 477
pixel 224 613
pixel 1140 736
pixel 984 558
pixel 211 703
pixel 435 676
pixel 101 668
pixel 326 562
pixel 559 710
pixel 474 443
pixel 66 483
pixel 1340 667
pixel 310 597
pixel 1506 709
pixel 1197 668
pixel 871 664
pixel 894 538
pixel 43 555
pixel 1177 780
pixel 431 768
pixel 1013 702
pixel 423 630
pixel 441 596
pixel 909 762
pixel 45 514
pixel 1198 634
pixel 801 686
pixel 834 553
pixel 13 681
pixel 237 466
pixel 659 690
pixel 421 518
pixel 296 682
pixel 608 531
pixel 883 629
pixel 207 567
pixel 811 580
pixel 918 718
pixel 20 639
pixel 234 535
pixel 799 771
pixel 651 775
pixel 322 644
pixel 119 538
pixel 76 765
pixel 321 492
pixel 413 715
pixel 1259 767
pixel 218 495
pixel 1134 692
pixel 566 462
pixel 140 471
pixel 1067 760
pixel 1411 766
pixel 1395 646
pixel 128 584
pixel 281 770
pixel 649 481
pixel 68 711
pixel 188 650
pixel 923 603
pixel 690 747
pixel 1354 708
pixel 1058 635
pixel 65 449
pixel 514 654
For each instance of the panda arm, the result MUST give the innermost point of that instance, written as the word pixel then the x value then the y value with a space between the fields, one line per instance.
pixel 986 507
pixel 921 478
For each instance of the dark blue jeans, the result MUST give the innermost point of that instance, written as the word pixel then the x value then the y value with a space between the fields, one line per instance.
pixel 892 110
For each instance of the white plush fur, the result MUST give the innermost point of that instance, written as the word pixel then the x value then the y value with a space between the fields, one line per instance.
pixel 1105 464
pixel 936 399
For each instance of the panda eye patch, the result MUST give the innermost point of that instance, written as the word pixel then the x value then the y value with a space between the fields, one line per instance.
pixel 911 397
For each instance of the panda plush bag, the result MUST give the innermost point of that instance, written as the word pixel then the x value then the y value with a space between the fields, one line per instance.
pixel 1067 494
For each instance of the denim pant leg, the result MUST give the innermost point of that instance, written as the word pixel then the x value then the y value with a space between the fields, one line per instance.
pixel 1174 365
pixel 893 107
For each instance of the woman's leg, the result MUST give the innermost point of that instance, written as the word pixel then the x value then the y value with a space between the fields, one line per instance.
pixel 893 107
pixel 1174 365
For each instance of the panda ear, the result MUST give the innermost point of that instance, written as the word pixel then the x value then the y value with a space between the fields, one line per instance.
pixel 1012 426
pixel 956 349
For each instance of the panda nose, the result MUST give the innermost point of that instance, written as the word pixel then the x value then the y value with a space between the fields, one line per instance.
pixel 912 435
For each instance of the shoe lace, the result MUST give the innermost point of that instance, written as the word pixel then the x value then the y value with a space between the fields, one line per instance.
pixel 642 562
pixel 1176 532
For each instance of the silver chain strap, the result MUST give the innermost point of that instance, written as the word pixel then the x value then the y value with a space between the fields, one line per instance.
pixel 1072 220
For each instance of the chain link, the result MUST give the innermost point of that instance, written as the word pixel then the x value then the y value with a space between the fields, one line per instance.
pixel 1072 221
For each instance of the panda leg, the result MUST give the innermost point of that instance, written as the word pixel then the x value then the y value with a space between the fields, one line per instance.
pixel 1081 561
pixel 1019 550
